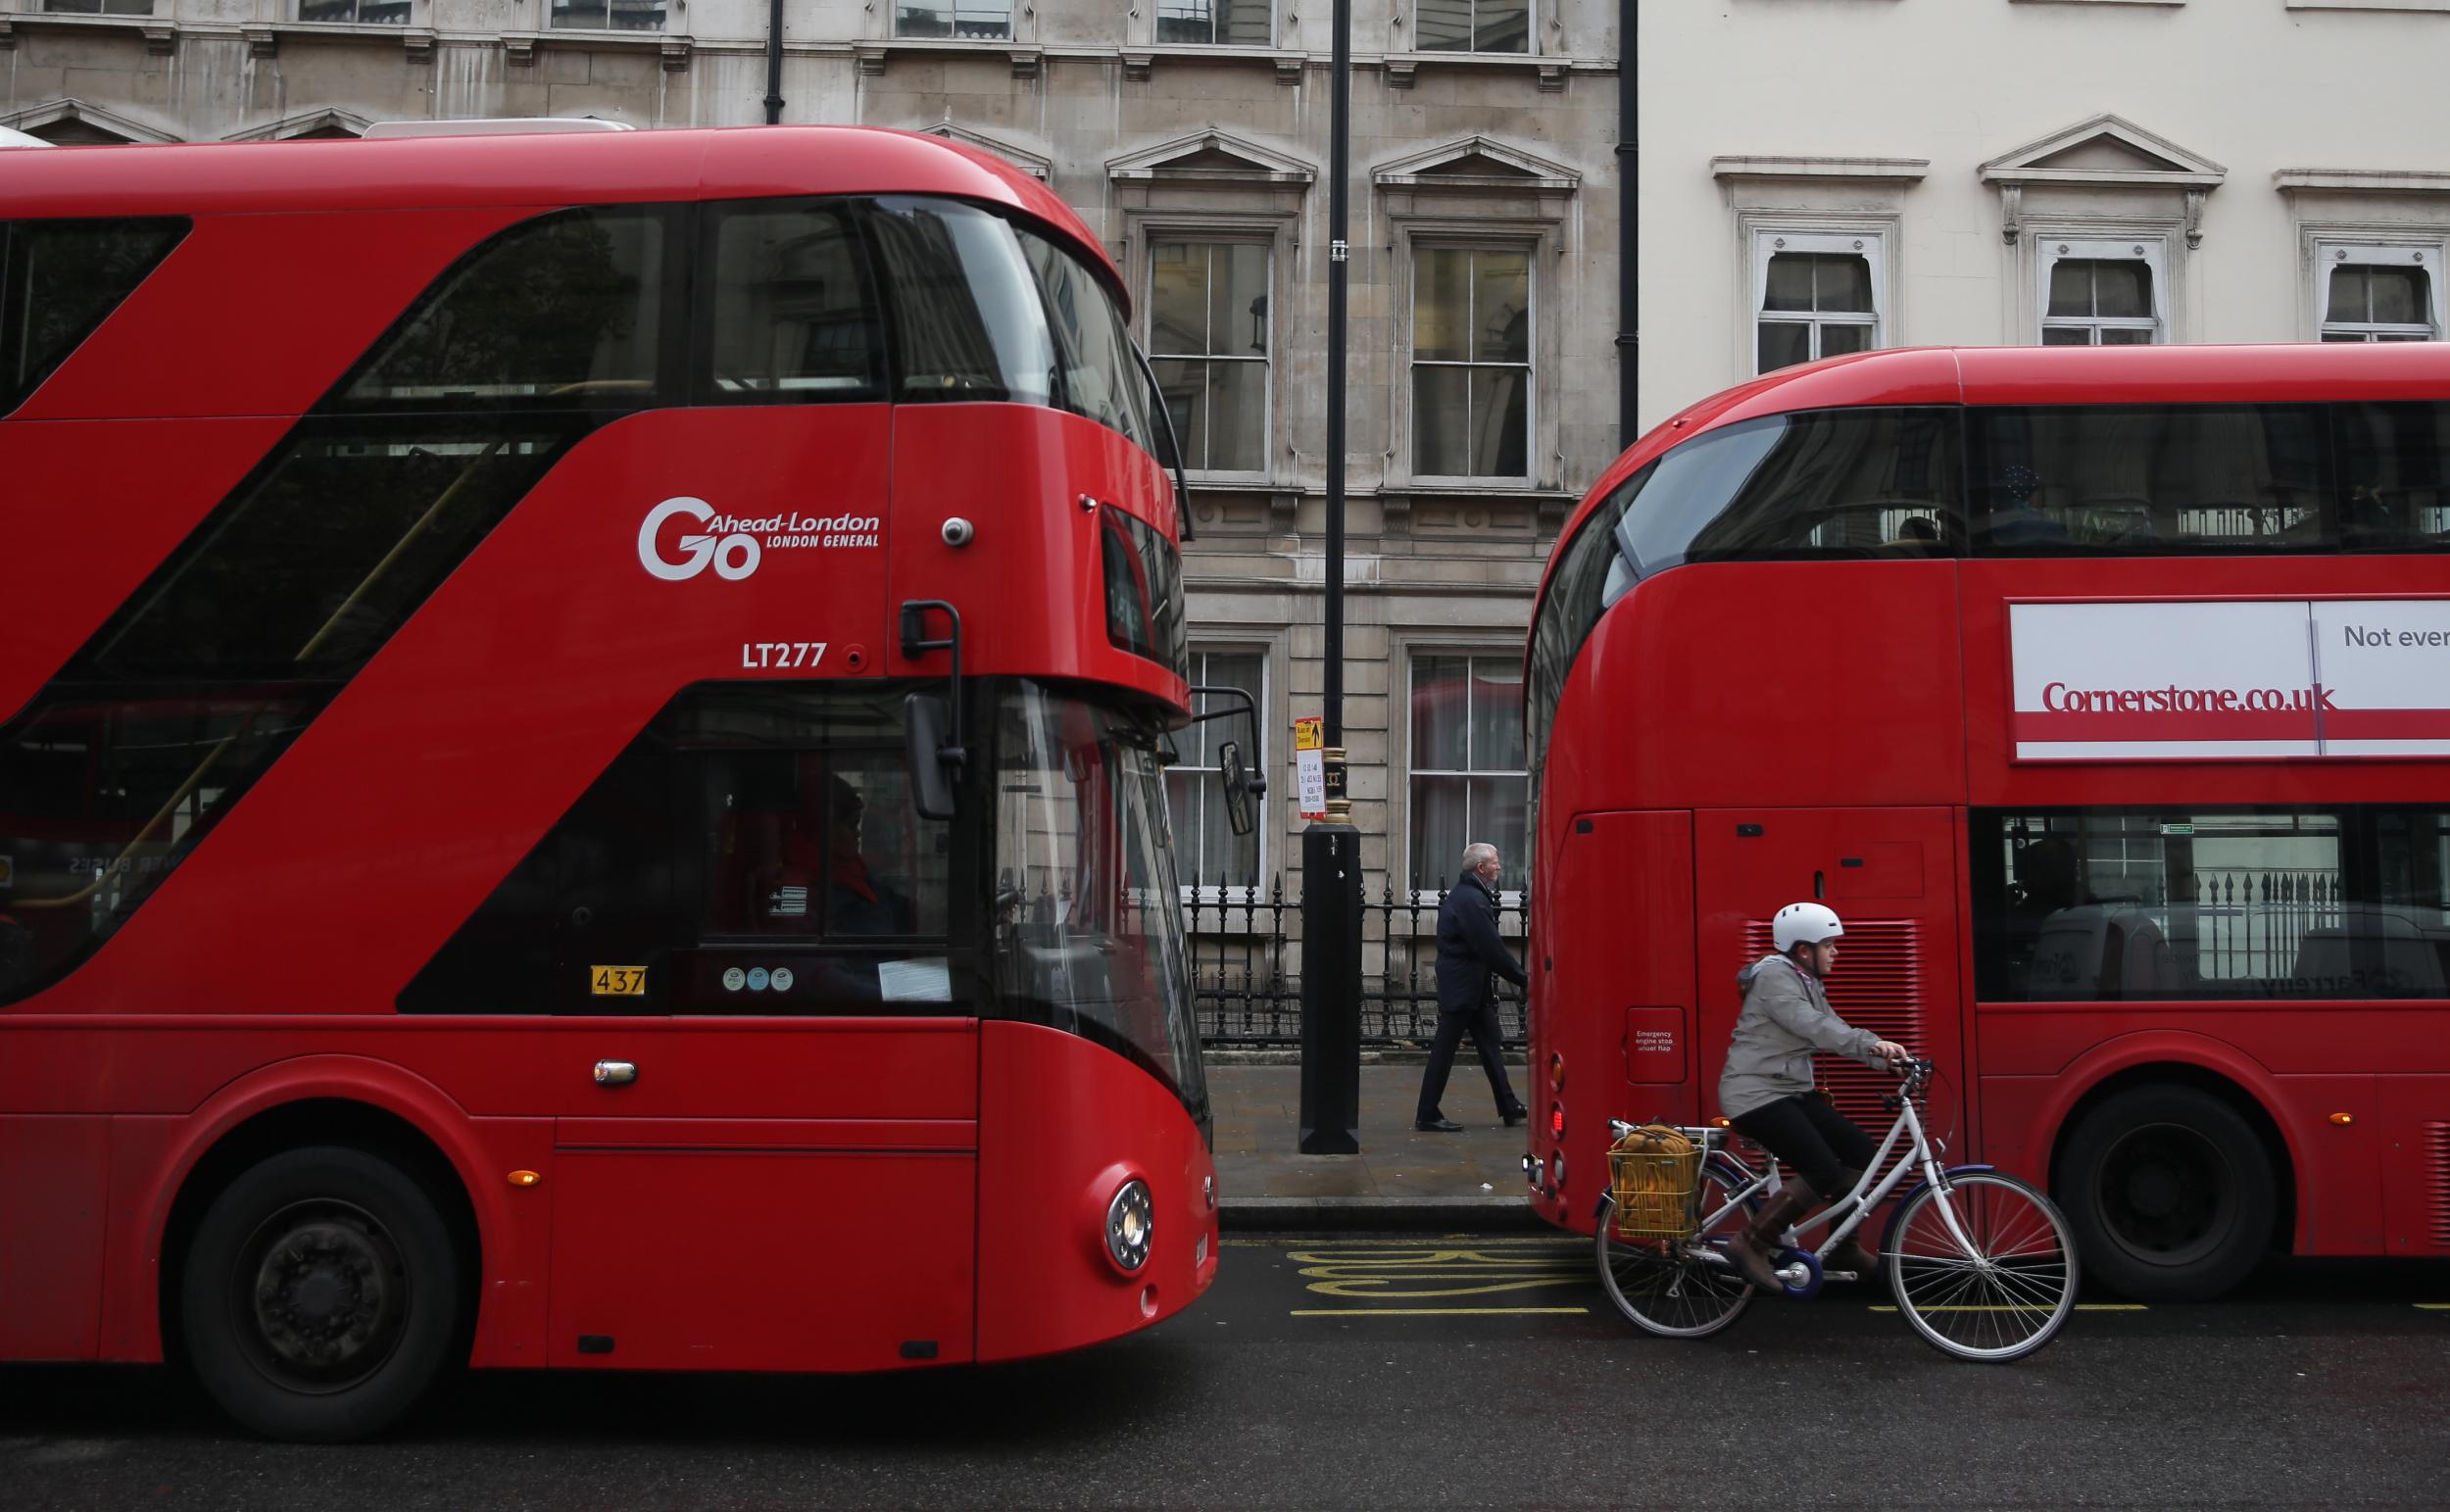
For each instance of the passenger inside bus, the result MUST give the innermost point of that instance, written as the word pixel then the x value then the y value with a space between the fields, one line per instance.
pixel 2013 519
pixel 822 840
pixel 857 900
pixel 2074 946
pixel 1918 535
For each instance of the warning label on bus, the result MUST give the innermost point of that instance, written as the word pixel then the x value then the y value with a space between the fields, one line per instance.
pixel 2231 678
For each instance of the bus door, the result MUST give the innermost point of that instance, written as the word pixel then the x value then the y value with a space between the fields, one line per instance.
pixel 730 1175
pixel 1891 875
pixel 761 1061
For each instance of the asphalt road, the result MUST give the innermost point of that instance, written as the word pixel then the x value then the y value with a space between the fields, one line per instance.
pixel 1397 1372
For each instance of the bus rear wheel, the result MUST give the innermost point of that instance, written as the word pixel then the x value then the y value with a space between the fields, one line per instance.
pixel 319 1298
pixel 2170 1193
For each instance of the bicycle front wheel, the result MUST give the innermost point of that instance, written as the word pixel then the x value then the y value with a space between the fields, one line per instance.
pixel 1984 1268
pixel 1678 1288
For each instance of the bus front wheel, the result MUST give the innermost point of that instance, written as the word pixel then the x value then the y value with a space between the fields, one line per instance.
pixel 2170 1191
pixel 320 1297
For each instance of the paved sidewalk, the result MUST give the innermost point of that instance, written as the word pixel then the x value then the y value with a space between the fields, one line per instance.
pixel 1400 1179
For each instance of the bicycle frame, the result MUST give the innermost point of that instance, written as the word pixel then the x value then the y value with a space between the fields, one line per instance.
pixel 1857 1203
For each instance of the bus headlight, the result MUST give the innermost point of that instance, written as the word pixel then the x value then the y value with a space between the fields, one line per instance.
pixel 1129 1222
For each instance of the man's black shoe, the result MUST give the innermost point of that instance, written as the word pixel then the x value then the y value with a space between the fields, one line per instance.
pixel 1437 1126
pixel 1515 1115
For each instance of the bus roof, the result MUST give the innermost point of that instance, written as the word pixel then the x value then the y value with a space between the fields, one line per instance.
pixel 544 169
pixel 2296 372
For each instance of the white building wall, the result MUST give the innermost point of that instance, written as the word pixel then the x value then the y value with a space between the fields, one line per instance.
pixel 2253 86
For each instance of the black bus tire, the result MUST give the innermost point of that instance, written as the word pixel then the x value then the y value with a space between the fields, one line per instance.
pixel 2170 1191
pixel 320 1298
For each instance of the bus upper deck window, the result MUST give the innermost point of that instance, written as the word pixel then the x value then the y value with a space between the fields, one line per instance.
pixel 967 322
pixel 1863 482
pixel 2149 480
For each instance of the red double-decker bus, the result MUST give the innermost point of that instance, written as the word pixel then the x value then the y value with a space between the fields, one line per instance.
pixel 2105 693
pixel 581 777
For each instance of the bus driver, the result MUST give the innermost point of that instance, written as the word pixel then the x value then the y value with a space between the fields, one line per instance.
pixel 1766 1088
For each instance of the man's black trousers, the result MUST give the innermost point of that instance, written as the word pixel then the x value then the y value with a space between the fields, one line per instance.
pixel 1452 1024
pixel 1815 1140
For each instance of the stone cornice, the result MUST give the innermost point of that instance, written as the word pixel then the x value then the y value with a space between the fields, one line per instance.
pixel 1861 170
pixel 2369 181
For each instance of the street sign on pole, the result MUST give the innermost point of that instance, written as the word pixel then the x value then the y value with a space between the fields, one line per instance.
pixel 1310 766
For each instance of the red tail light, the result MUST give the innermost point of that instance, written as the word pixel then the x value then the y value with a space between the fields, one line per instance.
pixel 1557 1120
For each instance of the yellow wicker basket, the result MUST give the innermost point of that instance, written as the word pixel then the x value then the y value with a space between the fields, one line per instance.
pixel 1653 1173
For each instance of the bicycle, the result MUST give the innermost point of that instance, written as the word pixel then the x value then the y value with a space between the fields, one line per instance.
pixel 1981 1264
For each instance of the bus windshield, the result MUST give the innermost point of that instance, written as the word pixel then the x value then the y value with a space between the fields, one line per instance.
pixel 1088 914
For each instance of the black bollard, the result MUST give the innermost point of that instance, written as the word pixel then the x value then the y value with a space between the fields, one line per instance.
pixel 1331 974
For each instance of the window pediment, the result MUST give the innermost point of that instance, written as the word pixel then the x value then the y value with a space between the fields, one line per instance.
pixel 1476 163
pixel 1036 165
pixel 1211 158
pixel 322 122
pixel 2104 150
pixel 70 112
pixel 2105 153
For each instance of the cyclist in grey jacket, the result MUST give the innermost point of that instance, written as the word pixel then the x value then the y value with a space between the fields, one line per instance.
pixel 1766 1090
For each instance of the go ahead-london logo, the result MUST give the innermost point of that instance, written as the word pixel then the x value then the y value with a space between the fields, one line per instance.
pixel 733 545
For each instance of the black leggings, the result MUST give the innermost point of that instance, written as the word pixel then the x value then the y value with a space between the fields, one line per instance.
pixel 1812 1137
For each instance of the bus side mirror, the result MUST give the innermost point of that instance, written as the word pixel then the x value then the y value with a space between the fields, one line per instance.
pixel 1240 787
pixel 933 759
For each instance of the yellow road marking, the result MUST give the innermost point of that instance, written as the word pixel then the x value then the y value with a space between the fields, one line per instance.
pixel 1497 1284
pixel 1428 1312
pixel 1538 1242
pixel 2079 1307
pixel 2434 1306
pixel 1422 1271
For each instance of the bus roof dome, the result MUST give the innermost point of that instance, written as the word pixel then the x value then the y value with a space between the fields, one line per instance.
pixel 515 125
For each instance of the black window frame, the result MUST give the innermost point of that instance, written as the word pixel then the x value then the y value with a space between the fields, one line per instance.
pixel 705 241
pixel 1161 632
pixel 1570 610
pixel 1983 481
pixel 2359 885
pixel 2358 532
pixel 676 322
pixel 16 294
pixel 522 928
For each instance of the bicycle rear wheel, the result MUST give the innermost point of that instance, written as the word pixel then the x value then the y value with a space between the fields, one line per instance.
pixel 1680 1289
pixel 1997 1284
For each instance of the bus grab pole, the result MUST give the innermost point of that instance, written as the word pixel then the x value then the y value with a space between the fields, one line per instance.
pixel 1331 847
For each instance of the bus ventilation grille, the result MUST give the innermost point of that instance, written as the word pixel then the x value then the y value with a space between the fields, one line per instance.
pixel 2437 1182
pixel 1877 986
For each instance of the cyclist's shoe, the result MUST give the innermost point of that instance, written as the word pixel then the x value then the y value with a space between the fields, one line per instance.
pixel 1752 1247
pixel 1852 1256
pixel 1751 1262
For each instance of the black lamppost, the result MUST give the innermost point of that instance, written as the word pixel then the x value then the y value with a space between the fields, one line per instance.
pixel 1331 847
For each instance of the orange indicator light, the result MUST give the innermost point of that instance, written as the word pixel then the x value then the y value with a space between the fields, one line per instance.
pixel 524 1177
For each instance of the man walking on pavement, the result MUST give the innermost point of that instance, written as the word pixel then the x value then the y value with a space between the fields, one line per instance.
pixel 1469 953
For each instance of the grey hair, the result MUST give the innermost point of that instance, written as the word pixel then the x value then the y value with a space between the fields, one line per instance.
pixel 1478 854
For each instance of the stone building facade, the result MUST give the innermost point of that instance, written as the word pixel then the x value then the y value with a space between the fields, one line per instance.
pixel 1814 176
pixel 1192 136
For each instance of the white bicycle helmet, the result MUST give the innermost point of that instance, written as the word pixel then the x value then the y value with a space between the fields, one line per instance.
pixel 1803 924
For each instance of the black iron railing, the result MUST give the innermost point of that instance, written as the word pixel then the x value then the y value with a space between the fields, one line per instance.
pixel 1247 963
